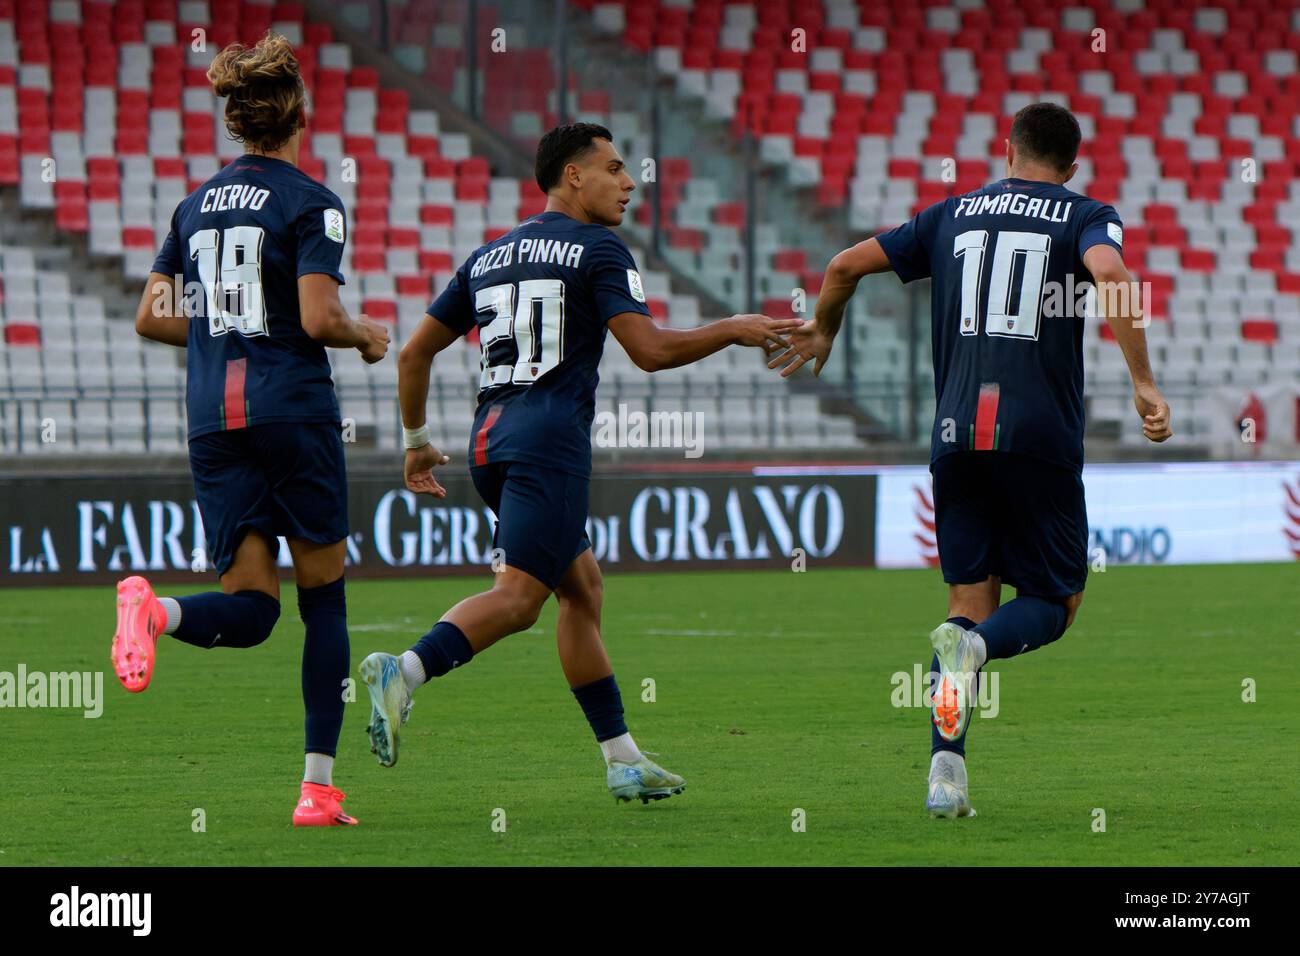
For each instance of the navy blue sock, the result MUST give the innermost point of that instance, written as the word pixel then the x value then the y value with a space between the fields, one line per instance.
pixel 242 619
pixel 603 705
pixel 937 742
pixel 325 655
pixel 1022 625
pixel 443 648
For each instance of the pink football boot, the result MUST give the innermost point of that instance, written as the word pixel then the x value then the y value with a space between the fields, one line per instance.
pixel 140 619
pixel 319 807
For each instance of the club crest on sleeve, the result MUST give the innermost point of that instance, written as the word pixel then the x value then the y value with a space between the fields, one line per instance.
pixel 634 285
pixel 334 224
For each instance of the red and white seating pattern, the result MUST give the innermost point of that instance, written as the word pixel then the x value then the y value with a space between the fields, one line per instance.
pixel 703 225
pixel 1191 121
pixel 107 118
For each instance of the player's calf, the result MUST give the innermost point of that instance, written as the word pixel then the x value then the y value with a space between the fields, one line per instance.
pixel 243 619
pixel 1025 624
pixel 325 654
pixel 577 627
pixel 514 611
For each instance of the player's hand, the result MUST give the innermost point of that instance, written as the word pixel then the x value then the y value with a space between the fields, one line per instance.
pixel 375 346
pixel 1153 408
pixel 762 332
pixel 420 463
pixel 806 342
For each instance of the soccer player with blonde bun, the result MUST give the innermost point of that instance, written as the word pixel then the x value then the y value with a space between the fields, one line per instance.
pixel 256 250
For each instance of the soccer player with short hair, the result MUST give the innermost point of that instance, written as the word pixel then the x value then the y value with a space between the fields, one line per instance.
pixel 542 297
pixel 257 250
pixel 1007 444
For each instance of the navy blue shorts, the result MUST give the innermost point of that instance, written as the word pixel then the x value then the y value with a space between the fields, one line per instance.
pixel 1019 518
pixel 283 478
pixel 541 516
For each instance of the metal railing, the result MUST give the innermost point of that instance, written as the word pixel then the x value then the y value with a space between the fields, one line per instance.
pixel 132 419
pixel 775 419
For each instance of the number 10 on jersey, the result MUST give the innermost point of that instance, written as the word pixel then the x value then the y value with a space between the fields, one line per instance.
pixel 1014 310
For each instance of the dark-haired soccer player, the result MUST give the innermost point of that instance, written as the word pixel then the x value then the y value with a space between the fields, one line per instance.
pixel 257 250
pixel 542 297
pixel 1007 444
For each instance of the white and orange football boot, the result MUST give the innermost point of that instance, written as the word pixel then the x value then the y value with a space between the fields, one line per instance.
pixel 954 690
pixel 140 620
pixel 319 807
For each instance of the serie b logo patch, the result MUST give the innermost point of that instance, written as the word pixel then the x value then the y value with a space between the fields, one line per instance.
pixel 1115 232
pixel 634 285
pixel 334 225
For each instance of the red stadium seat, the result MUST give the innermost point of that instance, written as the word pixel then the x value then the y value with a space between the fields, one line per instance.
pixel 381 310
pixel 23 334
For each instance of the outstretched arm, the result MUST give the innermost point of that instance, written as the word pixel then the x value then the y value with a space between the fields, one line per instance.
pixel 654 348
pixel 413 364
pixel 814 339
pixel 1118 293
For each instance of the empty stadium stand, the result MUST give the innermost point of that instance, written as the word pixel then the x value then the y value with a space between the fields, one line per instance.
pixel 1191 130
pixel 107 121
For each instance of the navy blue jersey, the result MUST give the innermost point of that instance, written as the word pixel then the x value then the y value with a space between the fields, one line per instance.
pixel 240 241
pixel 540 296
pixel 1006 327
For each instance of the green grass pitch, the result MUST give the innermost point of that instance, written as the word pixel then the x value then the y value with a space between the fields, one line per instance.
pixel 772 693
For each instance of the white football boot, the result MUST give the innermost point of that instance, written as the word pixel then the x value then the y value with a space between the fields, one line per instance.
pixel 947 797
pixel 643 779
pixel 390 704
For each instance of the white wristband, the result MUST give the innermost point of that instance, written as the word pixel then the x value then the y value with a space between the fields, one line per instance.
pixel 415 437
